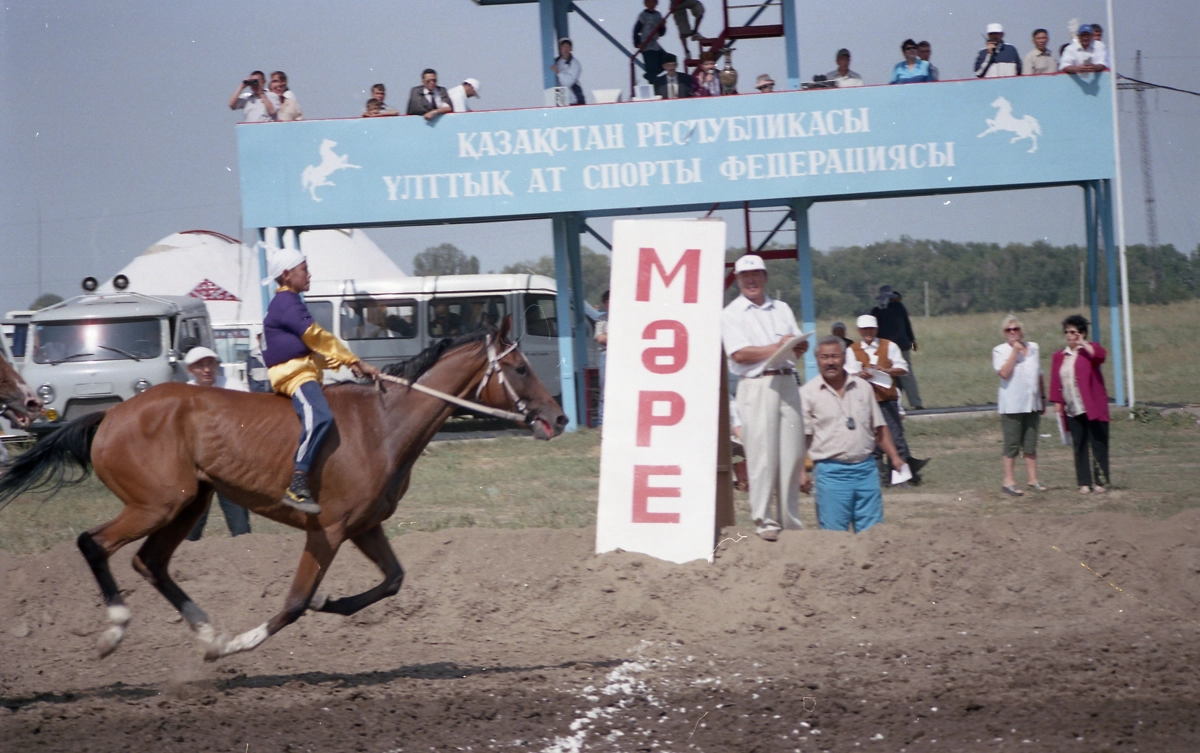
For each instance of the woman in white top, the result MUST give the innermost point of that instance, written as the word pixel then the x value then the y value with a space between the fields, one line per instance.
pixel 1020 402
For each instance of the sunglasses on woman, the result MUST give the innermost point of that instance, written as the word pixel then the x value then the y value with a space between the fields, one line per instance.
pixel 1012 329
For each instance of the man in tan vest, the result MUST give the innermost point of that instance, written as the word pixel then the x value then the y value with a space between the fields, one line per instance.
pixel 871 358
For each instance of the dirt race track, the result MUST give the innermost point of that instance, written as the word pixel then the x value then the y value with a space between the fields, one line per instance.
pixel 968 634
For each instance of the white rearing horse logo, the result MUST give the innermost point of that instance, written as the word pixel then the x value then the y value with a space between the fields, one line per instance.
pixel 1025 128
pixel 315 176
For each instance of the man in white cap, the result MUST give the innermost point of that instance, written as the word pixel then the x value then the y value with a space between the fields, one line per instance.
pixel 205 367
pixel 997 59
pixel 753 327
pixel 882 357
pixel 461 93
pixel 296 351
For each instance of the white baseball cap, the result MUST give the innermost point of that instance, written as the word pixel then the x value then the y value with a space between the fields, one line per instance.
pixel 474 82
pixel 995 29
pixel 199 353
pixel 749 263
pixel 865 321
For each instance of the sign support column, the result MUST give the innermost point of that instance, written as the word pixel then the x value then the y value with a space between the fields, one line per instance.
pixel 562 229
pixel 808 308
pixel 791 44
pixel 1114 297
pixel 1093 252
pixel 579 330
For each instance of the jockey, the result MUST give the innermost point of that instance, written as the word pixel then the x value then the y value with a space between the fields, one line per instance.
pixel 296 351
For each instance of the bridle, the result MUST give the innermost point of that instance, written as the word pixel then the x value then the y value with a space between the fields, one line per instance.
pixel 525 416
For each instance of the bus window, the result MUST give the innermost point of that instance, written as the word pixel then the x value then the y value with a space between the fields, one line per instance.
pixel 451 317
pixel 371 319
pixel 232 345
pixel 541 316
pixel 322 313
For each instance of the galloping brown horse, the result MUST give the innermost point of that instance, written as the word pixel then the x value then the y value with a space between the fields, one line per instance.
pixel 17 402
pixel 165 452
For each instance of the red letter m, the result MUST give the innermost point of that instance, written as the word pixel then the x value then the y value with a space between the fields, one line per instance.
pixel 689 263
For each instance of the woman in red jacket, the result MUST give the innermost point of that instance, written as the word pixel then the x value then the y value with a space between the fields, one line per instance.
pixel 1077 386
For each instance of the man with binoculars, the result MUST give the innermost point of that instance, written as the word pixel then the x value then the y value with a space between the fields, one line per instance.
pixel 251 97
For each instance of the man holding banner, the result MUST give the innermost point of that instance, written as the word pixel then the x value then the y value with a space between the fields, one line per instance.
pixel 754 327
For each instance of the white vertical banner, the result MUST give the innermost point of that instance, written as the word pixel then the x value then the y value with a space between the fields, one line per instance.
pixel 658 462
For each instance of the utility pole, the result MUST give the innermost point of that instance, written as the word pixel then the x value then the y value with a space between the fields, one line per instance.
pixel 927 299
pixel 1147 169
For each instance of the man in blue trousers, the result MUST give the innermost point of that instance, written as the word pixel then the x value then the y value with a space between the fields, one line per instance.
pixel 843 424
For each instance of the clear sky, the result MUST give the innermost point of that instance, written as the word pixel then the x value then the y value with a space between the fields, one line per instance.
pixel 114 129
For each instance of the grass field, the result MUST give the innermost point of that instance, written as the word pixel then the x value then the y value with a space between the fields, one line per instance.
pixel 518 483
pixel 954 367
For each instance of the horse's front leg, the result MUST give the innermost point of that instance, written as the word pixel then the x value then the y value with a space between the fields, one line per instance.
pixel 374 544
pixel 319 551
pixel 990 129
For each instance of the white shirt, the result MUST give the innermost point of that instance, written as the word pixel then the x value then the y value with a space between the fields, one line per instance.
pixel 254 111
pixel 568 71
pixel 1072 399
pixel 1095 54
pixel 225 384
pixel 894 355
pixel 1022 391
pixel 458 98
pixel 850 79
pixel 744 325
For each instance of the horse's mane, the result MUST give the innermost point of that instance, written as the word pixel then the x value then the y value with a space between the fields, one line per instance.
pixel 412 368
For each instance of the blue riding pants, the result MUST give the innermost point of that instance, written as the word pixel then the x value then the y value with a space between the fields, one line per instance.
pixel 848 493
pixel 315 422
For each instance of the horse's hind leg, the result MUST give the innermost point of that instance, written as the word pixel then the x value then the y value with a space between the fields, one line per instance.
pixel 319 551
pixel 97 546
pixel 374 544
pixel 153 558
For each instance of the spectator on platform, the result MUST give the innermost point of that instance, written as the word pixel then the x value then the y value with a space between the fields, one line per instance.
pixel 705 81
pixel 461 93
pixel 765 83
pixel 251 98
pixel 379 92
pixel 673 84
pixel 644 31
pixel 205 369
pixel 1040 59
pixel 997 59
pixel 912 69
pixel 1077 387
pixel 844 426
pixel 895 325
pixel 287 107
pixel 429 100
pixel 1098 38
pixel 753 328
pixel 924 50
pixel 1020 403
pixel 567 69
pixel 842 75
pixel 688 31
pixel 1084 55
pixel 374 108
pixel 839 330
pixel 882 355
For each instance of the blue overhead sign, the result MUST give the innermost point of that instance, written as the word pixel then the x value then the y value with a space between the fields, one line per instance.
pixel 519 163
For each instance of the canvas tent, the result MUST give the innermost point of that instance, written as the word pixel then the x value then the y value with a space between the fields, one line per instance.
pixel 224 272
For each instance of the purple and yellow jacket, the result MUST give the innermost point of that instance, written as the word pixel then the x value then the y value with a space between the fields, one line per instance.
pixel 297 349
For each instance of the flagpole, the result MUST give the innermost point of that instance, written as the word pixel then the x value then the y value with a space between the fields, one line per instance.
pixel 1128 337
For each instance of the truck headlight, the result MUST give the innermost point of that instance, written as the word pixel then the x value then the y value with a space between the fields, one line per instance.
pixel 46 393
pixel 141 386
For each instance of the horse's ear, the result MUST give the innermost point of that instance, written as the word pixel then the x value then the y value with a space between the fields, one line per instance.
pixel 506 329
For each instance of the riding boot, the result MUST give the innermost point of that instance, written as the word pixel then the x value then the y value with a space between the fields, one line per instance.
pixel 299 497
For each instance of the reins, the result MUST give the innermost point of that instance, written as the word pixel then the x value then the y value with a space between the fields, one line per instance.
pixel 493 368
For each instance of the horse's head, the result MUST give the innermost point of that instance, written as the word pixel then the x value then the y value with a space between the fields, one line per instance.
pixel 509 383
pixel 1000 102
pixel 17 401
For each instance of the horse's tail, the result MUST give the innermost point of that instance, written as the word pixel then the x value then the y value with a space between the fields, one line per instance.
pixel 61 459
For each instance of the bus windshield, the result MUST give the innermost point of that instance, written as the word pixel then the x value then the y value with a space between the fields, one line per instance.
pixel 103 340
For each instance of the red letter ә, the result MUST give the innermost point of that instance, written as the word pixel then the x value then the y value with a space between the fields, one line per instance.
pixel 642 492
pixel 677 352
pixel 647 420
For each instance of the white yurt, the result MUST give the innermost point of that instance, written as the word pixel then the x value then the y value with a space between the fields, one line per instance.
pixel 224 272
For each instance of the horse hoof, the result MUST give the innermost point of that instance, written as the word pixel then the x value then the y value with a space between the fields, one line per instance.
pixel 109 640
pixel 318 602
pixel 214 649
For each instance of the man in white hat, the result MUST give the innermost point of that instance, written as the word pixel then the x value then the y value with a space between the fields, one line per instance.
pixel 205 367
pixel 881 363
pixel 461 93
pixel 753 327
pixel 997 59
pixel 296 351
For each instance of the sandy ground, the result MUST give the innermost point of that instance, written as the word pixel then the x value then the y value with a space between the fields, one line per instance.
pixel 971 634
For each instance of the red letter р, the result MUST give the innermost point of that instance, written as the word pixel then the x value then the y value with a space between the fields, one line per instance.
pixel 676 353
pixel 646 418
pixel 689 263
pixel 642 492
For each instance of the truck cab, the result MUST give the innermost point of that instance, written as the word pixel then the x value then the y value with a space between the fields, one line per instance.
pixel 92 352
